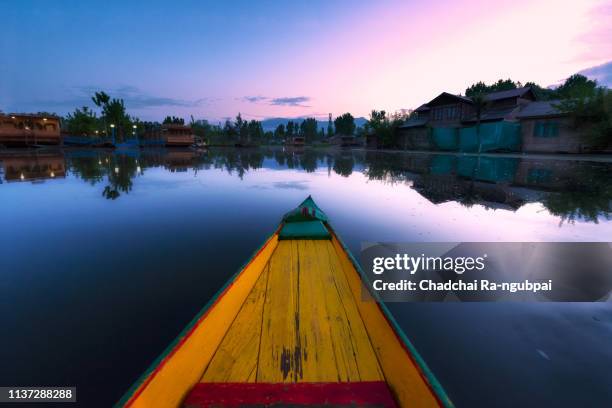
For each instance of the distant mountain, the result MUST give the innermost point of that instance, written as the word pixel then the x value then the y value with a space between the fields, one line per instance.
pixel 602 73
pixel 272 123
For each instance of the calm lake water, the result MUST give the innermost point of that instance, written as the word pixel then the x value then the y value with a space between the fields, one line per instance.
pixel 105 256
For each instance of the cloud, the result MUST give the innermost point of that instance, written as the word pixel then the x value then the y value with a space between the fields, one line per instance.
pixel 291 101
pixel 254 99
pixel 282 101
pixel 133 97
pixel 137 99
pixel 602 73
pixel 291 185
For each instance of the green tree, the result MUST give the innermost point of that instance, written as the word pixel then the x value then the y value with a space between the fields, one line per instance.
pixel 592 114
pixel 541 94
pixel 256 132
pixel 482 88
pixel 173 120
pixel 268 136
pixel 242 128
pixel 279 132
pixel 100 99
pixel 292 129
pixel 384 127
pixel 113 113
pixel 81 122
pixel 308 129
pixel 345 124
pixel 576 86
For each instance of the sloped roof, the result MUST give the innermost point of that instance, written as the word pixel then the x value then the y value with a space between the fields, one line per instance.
pixel 31 115
pixel 511 93
pixel 492 114
pixel 421 108
pixel 446 94
pixel 410 123
pixel 539 109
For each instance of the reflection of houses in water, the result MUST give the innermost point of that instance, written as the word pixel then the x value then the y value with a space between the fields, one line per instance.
pixel 440 189
pixel 497 182
pixel 180 161
pixel 547 175
pixel 33 167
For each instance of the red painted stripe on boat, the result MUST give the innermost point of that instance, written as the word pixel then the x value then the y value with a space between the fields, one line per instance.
pixel 195 326
pixel 353 394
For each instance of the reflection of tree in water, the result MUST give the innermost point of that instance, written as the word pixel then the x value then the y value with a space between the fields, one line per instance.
pixel 574 191
pixel 122 169
pixel 280 156
pixel 385 167
pixel 89 168
pixel 239 161
pixel 308 161
pixel 343 164
pixel 586 195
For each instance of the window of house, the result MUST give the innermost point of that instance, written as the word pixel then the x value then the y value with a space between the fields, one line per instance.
pixel 546 129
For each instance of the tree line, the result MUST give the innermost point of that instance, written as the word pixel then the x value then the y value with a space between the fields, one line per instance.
pixel 114 120
pixel 581 97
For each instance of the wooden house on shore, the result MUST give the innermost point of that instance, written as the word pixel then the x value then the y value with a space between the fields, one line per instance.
pixel 21 129
pixel 545 128
pixel 511 120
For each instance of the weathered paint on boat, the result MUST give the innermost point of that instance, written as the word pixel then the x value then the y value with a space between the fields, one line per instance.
pixel 294 314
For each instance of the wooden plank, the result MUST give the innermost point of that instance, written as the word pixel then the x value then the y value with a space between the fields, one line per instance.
pixel 280 354
pixel 236 358
pixel 356 394
pixel 319 360
pixel 340 334
pixel 350 328
pixel 405 379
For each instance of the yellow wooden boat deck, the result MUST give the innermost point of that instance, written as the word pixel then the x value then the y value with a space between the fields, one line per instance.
pixel 292 323
pixel 300 323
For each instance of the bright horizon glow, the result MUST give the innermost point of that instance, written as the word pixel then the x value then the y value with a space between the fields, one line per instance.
pixel 270 59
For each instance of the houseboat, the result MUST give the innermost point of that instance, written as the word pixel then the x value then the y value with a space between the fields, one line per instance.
pixel 168 135
pixel 296 141
pixel 177 135
pixel 343 140
pixel 22 129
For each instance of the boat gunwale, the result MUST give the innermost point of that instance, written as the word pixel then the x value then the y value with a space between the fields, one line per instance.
pixel 425 372
pixel 141 383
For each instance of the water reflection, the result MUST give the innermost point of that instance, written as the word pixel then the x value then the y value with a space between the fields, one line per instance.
pixel 570 189
pixel 27 167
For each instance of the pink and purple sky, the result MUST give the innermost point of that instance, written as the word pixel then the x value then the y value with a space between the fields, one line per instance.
pixel 288 59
